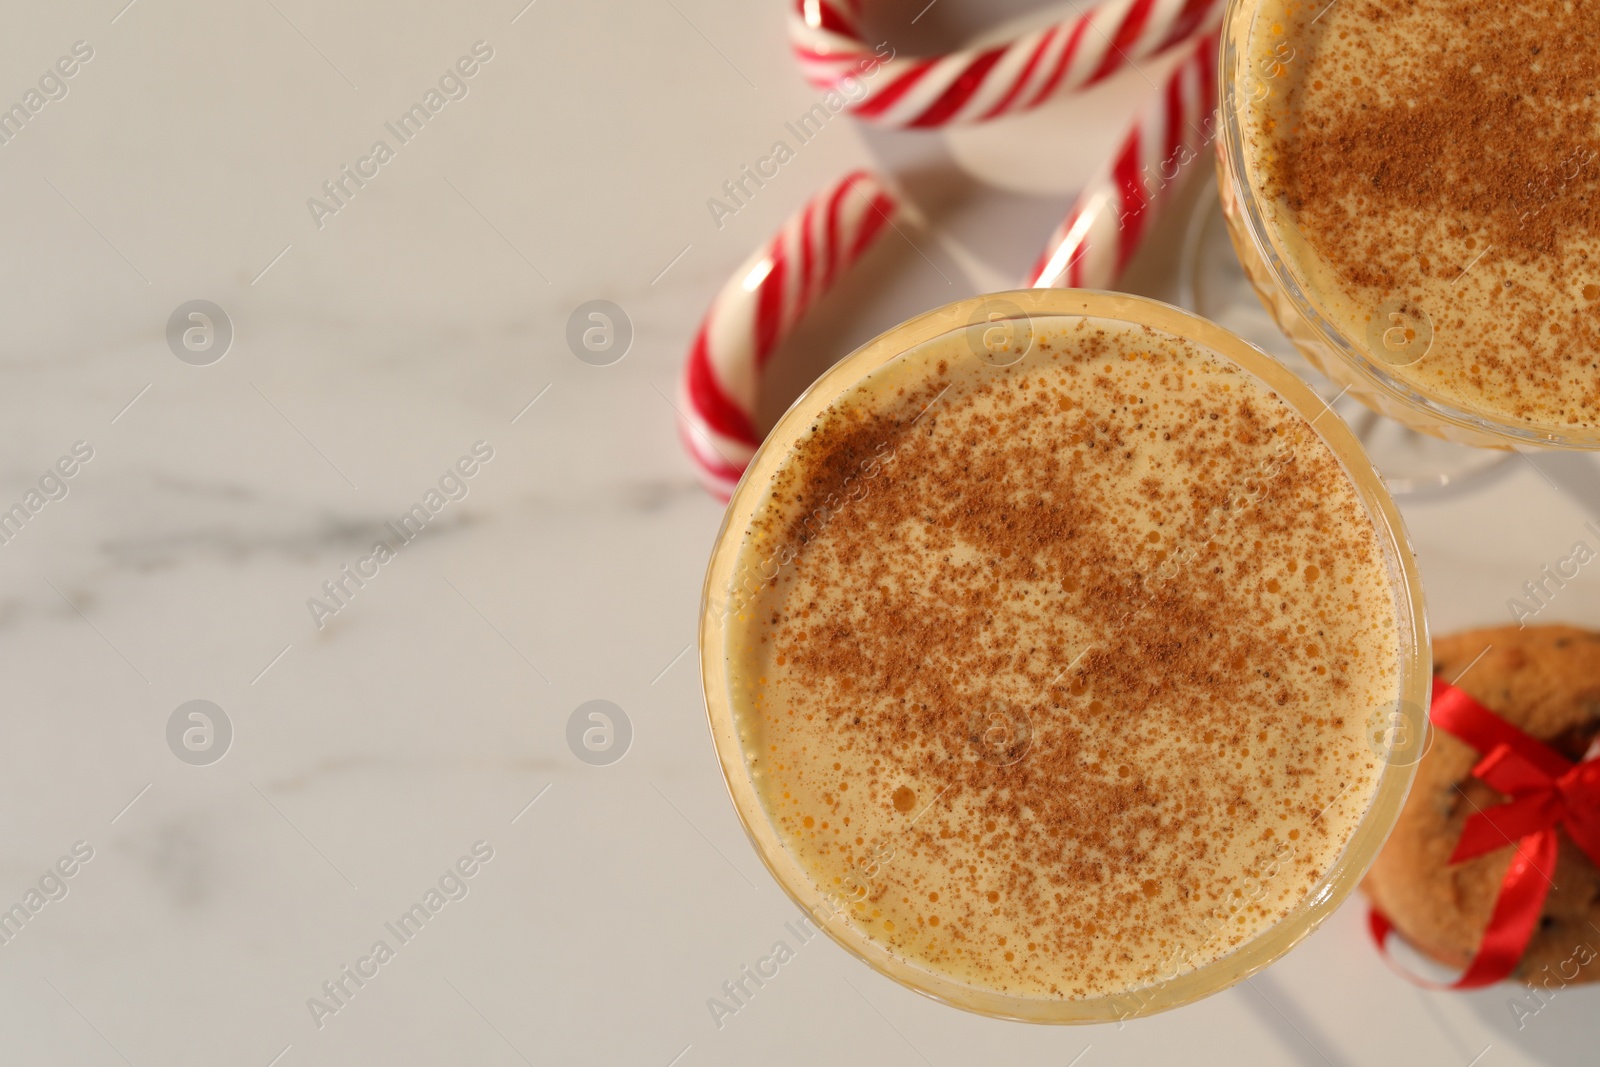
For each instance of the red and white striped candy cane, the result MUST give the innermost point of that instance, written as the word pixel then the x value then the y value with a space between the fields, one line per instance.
pixel 977 84
pixel 1101 232
pixel 757 308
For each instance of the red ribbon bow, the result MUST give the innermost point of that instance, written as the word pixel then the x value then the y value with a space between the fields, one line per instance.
pixel 1547 790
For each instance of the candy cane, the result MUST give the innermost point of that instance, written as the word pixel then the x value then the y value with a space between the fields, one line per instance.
pixel 757 308
pixel 977 84
pixel 1101 232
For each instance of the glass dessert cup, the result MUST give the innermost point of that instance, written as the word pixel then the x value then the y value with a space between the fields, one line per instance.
pixel 733 575
pixel 1213 283
pixel 1270 249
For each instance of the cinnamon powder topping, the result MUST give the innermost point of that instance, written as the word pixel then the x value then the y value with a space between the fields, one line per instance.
pixel 1060 673
pixel 1445 154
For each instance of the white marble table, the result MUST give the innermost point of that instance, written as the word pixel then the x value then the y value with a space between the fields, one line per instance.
pixel 373 748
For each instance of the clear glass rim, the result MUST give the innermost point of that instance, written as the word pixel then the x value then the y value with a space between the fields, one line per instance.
pixel 1234 178
pixel 1413 652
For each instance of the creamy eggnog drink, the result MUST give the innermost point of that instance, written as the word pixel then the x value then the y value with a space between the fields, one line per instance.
pixel 1050 654
pixel 1429 172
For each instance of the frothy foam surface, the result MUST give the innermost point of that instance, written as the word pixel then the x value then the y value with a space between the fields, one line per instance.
pixel 1439 160
pixel 1059 675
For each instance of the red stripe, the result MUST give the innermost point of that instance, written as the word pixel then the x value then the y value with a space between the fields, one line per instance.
pixel 769 303
pixel 1189 19
pixel 1177 124
pixel 1206 49
pixel 698 447
pixel 879 211
pixel 1063 63
pixel 832 19
pixel 1125 174
pixel 879 102
pixel 713 405
pixel 1022 79
pixel 803 297
pixel 831 247
pixel 959 91
pixel 839 193
pixel 1128 31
